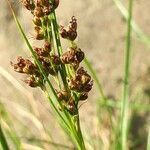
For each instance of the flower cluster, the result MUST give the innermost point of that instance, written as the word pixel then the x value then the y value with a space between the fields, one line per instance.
pixel 78 81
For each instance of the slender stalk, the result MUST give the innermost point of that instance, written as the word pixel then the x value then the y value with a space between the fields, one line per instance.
pixel 59 47
pixel 3 140
pixel 125 100
pixel 148 140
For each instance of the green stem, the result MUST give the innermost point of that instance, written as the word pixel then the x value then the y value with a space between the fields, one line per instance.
pixel 59 48
pixel 3 140
pixel 80 132
pixel 125 100
pixel 148 140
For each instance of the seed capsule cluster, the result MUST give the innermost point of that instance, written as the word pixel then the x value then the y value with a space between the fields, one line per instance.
pixel 79 82
pixel 70 32
pixel 25 66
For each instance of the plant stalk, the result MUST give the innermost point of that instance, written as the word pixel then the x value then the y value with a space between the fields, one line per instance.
pixel 125 99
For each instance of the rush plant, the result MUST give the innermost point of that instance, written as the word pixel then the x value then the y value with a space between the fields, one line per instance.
pixel 56 72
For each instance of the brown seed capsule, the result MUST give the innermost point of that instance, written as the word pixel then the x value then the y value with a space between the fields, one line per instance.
pixel 55 59
pixel 45 3
pixel 83 75
pixel 72 35
pixel 47 46
pixel 24 66
pixel 31 81
pixel 56 3
pixel 71 106
pixel 28 4
pixel 73 24
pixel 39 35
pixel 75 85
pixel 62 95
pixel 71 32
pixel 38 3
pixel 85 79
pixel 80 55
pixel 47 10
pixel 41 52
pixel 88 87
pixel 37 21
pixel 83 96
pixel 63 33
pixel 69 56
pixel 38 12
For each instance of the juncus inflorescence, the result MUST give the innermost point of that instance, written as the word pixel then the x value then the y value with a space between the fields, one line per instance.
pixel 78 81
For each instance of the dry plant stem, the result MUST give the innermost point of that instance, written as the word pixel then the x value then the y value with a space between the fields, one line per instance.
pixel 3 140
pixel 125 100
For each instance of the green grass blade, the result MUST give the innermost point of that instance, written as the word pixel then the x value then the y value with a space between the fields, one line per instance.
pixel 148 140
pixel 10 130
pixel 3 140
pixel 125 100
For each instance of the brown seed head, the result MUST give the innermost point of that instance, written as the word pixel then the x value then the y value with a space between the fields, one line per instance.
pixel 73 24
pixel 71 106
pixel 55 59
pixel 56 3
pixel 41 52
pixel 62 95
pixel 69 56
pixel 38 11
pixel 28 4
pixel 24 66
pixel 48 9
pixel 63 33
pixel 72 35
pixel 31 81
pixel 47 46
pixel 37 21
pixel 83 96
pixel 39 35
pixel 80 55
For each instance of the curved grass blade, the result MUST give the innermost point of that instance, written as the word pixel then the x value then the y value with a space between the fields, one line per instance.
pixel 10 130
